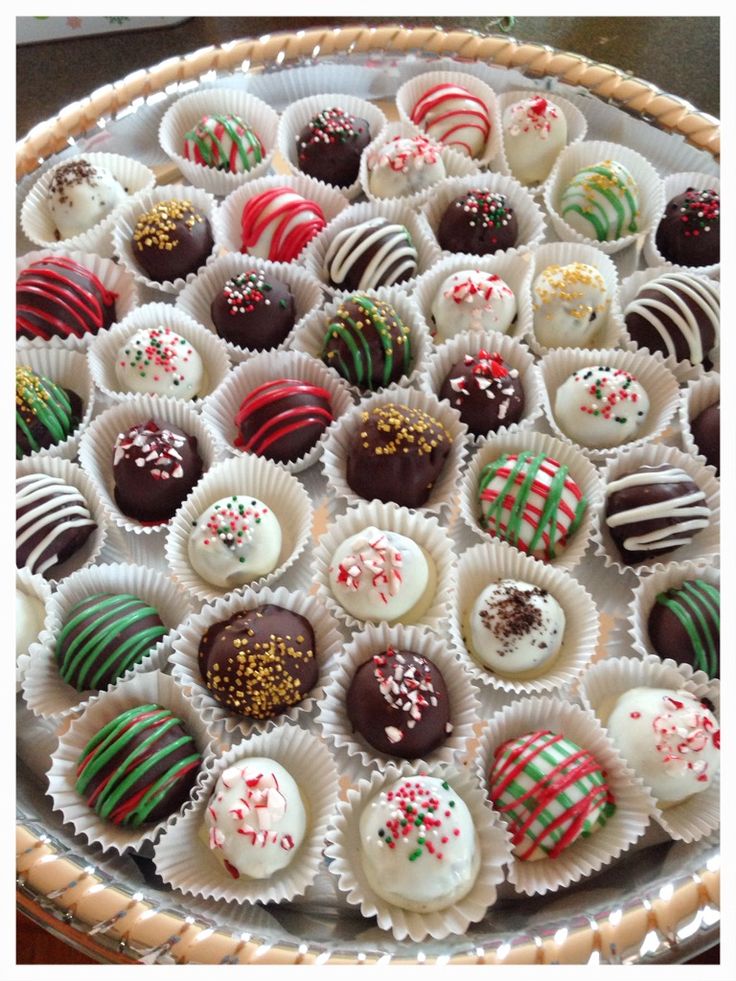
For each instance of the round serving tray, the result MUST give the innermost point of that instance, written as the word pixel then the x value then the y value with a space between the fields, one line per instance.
pixel 660 901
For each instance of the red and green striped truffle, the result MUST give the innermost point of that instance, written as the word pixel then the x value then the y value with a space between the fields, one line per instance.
pixel 224 142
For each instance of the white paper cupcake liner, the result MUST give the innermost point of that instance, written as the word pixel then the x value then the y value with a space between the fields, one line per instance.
pixel 113 277
pixel 649 370
pixel 493 561
pixel 633 803
pixel 187 111
pixel 581 470
pixel 611 327
pixel 309 337
pixel 515 354
pixel 605 682
pixel 37 587
pixel 126 220
pixel 414 88
pixel 142 689
pixel 103 350
pixel 184 860
pixel 255 477
pixel 589 152
pixel 698 395
pixel 344 861
pixel 222 720
pixel 338 443
pixel 676 184
pixel 705 543
pixel 45 692
pixel 463 704
pixel 297 114
pixel 69 370
pixel 221 410
pixel 75 476
pixel 38 223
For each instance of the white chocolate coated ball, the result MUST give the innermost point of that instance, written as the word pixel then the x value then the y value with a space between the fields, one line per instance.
pixel 534 132
pixel 601 202
pixel 472 299
pixel 158 361
pixel 569 303
pixel 235 541
pixel 80 195
pixel 404 166
pixel 29 617
pixel 601 407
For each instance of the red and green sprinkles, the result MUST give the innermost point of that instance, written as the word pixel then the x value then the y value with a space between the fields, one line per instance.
pixel 247 291
pixel 488 209
pixel 232 525
pixel 156 353
pixel 329 127
pixel 700 212
pixel 609 388
pixel 419 818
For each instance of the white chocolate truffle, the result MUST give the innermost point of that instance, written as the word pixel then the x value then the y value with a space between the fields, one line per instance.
pixel 669 738
pixel 29 617
pixel 405 165
pixel 454 116
pixel 516 627
pixel 534 132
pixel 255 818
pixel 81 195
pixel 601 202
pixel 380 575
pixel 235 541
pixel 435 862
pixel 473 300
pixel 569 303
pixel 601 407
pixel 158 361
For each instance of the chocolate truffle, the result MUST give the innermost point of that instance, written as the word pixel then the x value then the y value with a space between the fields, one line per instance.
pixel 569 303
pixel 706 430
pixel 374 253
pixel 689 234
pixel 283 419
pixel 158 361
pixel 278 223
pixel 367 343
pixel 601 202
pixel 139 768
pixel 438 858
pixel 59 297
pixel 329 147
pixel 670 739
pixel 549 791
pixel 534 132
pixel 601 407
pixel 678 314
pixel 403 166
pixel 398 702
pixel 171 240
pixel 253 310
pixel 45 413
pixel 472 299
pixel 154 468
pixel 259 662
pixel 224 142
pixel 30 614
pixel 452 115
pixel 515 628
pixel 255 818
pixel 685 624
pixel 235 541
pixel 532 502
pixel 52 523
pixel 486 392
pixel 80 195
pixel 397 455
pixel 478 221
pixel 653 511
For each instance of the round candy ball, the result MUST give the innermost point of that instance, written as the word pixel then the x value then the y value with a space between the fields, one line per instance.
pixel 253 310
pixel 374 253
pixel 685 624
pixel 534 133
pixel 405 165
pixel 80 195
pixel 283 419
pixel 568 302
pixel 367 343
pixel 52 523
pixel 480 222
pixel 485 391
pixel 601 407
pixel 277 224
pixel 689 234
pixel 158 361
pixel 328 148
pixel 224 142
pixel 452 115
pixel 472 299
pixel 706 431
pixel 171 240
pixel 45 413
pixel 601 202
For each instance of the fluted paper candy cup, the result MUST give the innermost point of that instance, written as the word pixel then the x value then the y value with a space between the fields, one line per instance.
pixel 676 184
pixel 344 850
pixel 38 589
pixel 694 399
pixel 634 804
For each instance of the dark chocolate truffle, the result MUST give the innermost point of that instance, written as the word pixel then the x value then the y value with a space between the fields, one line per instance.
pixel 485 391
pixel 45 413
pixel 253 310
pixel 52 522
pixel 283 419
pixel 685 624
pixel 480 222
pixel 58 297
pixel 706 430
pixel 397 454
pixel 690 232
pixel 154 469
pixel 259 662
pixel 139 768
pixel 104 636
pixel 367 343
pixel 653 511
pixel 398 702
pixel 172 240
pixel 329 146
pixel 374 253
